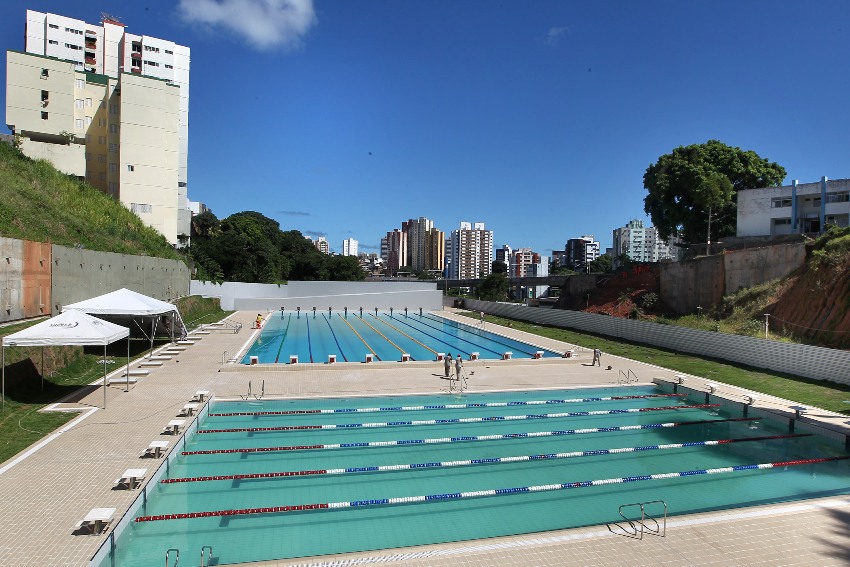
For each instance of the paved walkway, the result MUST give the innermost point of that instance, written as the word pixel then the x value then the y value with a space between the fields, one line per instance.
pixel 45 494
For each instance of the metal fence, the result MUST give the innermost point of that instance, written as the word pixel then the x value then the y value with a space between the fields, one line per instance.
pixel 813 362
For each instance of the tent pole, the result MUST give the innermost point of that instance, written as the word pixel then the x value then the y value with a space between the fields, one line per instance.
pixel 104 376
pixel 153 331
pixel 4 376
pixel 128 364
pixel 42 369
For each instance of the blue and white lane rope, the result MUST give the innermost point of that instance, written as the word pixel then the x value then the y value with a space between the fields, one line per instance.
pixel 443 406
pixel 481 493
pixel 330 426
pixel 471 462
pixel 436 441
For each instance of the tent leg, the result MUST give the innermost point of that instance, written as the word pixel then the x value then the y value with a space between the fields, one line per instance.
pixel 128 364
pixel 42 369
pixel 104 376
pixel 3 356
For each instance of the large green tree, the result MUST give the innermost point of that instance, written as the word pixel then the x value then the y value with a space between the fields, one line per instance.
pixel 494 288
pixel 691 181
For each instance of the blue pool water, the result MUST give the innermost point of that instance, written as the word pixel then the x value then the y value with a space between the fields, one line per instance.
pixel 312 337
pixel 413 446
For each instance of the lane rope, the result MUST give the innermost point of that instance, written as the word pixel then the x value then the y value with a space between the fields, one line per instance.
pixel 446 406
pixel 440 440
pixel 362 339
pixel 484 493
pixel 487 461
pixel 377 424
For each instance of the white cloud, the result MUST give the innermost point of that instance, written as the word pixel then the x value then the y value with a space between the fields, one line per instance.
pixel 554 34
pixel 265 24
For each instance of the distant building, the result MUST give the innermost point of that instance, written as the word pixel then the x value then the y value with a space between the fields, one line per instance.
pixel 641 244
pixel 504 255
pixel 394 251
pixel 108 106
pixel 322 244
pixel 425 245
pixel 349 247
pixel 469 252
pixel 580 252
pixel 795 208
pixel 521 260
pixel 559 259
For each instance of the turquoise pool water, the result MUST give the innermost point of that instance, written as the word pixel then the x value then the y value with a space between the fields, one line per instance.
pixel 312 337
pixel 512 427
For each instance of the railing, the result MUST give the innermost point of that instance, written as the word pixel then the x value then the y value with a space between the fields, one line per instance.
pixel 176 558
pixel 636 528
pixel 226 358
pixel 205 561
pixel 627 377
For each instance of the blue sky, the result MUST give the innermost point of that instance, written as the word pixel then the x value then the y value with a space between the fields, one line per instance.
pixel 342 118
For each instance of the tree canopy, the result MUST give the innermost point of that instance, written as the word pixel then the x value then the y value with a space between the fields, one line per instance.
pixel 250 247
pixel 494 288
pixel 684 184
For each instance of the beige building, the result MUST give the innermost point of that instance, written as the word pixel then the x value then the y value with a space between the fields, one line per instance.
pixel 108 106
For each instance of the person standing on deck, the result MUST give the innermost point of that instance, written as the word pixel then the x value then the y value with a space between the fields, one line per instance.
pixel 447 365
pixel 458 366
pixel 597 357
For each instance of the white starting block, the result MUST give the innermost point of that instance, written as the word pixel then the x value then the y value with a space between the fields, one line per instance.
pixel 507 356
pixel 369 358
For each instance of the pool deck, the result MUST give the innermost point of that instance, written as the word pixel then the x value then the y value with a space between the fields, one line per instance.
pixel 51 486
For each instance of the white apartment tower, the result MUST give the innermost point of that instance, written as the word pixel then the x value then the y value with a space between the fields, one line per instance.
pixel 322 244
pixel 110 106
pixel 641 244
pixel 349 247
pixel 469 252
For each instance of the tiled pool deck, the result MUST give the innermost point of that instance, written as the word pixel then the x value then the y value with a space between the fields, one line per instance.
pixel 45 494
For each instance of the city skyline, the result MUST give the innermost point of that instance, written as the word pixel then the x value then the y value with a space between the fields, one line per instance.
pixel 338 119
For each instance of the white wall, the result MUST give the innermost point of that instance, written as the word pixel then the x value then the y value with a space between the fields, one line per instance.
pixel 236 296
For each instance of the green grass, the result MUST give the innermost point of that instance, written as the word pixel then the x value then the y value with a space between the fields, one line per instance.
pixel 39 203
pixel 808 392
pixel 67 369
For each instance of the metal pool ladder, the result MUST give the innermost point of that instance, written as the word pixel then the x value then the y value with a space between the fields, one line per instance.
pixel 636 528
pixel 627 378
pixel 205 562
pixel 176 558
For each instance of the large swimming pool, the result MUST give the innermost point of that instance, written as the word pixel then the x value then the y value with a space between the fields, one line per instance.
pixel 267 480
pixel 387 336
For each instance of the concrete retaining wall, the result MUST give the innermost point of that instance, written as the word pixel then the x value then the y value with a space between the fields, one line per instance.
pixel 807 361
pixel 704 281
pixel 38 278
pixel 322 295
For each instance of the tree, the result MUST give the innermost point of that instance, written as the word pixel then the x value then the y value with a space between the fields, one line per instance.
pixel 685 184
pixel 603 264
pixel 499 267
pixel 494 288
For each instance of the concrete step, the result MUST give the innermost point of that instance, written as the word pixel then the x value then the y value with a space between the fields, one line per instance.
pixel 139 372
pixel 151 363
pixel 160 357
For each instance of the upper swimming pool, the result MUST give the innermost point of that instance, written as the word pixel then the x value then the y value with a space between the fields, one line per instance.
pixel 276 479
pixel 312 337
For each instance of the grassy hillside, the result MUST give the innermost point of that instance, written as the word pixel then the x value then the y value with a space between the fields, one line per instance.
pixel 39 203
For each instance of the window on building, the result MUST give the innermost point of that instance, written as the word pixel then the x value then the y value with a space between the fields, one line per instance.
pixel 78 123
pixel 839 197
pixel 52 42
pixel 74 47
pixel 101 139
pixel 141 208
pixel 113 167
pixel 113 187
pixel 88 156
pixel 113 148
pixel 169 52
pixel 169 66
pixel 44 116
pixel 88 103
pixel 130 168
pixel 80 83
pixel 779 202
pixel 88 121
pixel 45 73
pixel 101 158
pixel 113 109
pixel 151 63
pixel 45 95
pixel 88 138
pixel 780 222
pixel 79 103
pixel 53 26
pixel 113 128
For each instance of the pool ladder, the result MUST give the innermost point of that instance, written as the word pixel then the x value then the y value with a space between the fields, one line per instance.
pixel 226 358
pixel 176 557
pixel 636 528
pixel 627 378
pixel 205 561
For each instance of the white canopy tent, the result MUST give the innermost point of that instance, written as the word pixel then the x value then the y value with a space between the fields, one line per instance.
pixel 127 304
pixel 69 328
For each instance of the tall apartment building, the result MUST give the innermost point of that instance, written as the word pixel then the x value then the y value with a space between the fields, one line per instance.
pixel 349 247
pixel 322 244
pixel 394 251
pixel 580 252
pixel 504 254
pixel 469 252
pixel 521 261
pixel 109 106
pixel 641 244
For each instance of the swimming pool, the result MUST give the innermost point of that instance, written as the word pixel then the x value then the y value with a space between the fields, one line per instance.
pixel 296 478
pixel 386 336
